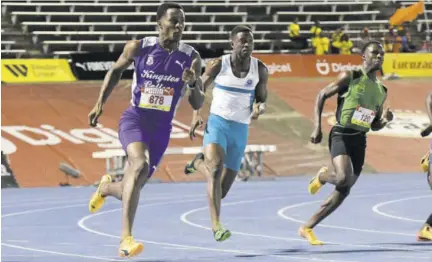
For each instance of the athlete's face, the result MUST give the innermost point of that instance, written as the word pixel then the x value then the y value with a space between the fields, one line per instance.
pixel 243 44
pixel 374 56
pixel 172 24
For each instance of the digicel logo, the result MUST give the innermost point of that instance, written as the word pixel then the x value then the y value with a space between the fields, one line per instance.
pixel 48 135
pixel 325 68
pixel 277 68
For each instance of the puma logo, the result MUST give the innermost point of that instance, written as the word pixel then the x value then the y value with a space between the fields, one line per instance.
pixel 180 64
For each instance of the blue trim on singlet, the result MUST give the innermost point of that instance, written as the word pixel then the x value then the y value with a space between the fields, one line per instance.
pixel 234 89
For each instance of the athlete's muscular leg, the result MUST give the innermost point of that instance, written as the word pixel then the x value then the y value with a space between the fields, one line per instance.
pixel 128 190
pixel 212 167
pixel 228 177
pixel 343 179
pixel 338 177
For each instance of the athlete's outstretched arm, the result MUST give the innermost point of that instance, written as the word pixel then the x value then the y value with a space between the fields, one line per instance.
pixel 196 97
pixel 339 86
pixel 428 129
pixel 260 91
pixel 112 78
pixel 213 68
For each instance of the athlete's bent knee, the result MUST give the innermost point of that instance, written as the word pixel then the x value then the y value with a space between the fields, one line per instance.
pixel 341 179
pixel 138 166
pixel 214 166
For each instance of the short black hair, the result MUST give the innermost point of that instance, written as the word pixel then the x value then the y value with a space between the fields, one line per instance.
pixel 365 46
pixel 240 28
pixel 161 11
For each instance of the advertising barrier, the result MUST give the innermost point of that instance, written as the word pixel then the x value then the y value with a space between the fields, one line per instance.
pixel 36 71
pixel 94 66
pixel 408 65
pixel 404 65
pixel 309 65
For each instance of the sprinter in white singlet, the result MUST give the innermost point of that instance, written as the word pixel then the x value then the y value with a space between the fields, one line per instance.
pixel 239 95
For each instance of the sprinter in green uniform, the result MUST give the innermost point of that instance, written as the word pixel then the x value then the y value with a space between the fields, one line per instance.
pixel 360 103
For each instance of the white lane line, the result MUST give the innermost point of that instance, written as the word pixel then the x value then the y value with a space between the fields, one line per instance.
pixel 376 208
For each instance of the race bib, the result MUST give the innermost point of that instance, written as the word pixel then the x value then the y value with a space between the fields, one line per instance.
pixel 155 98
pixel 363 117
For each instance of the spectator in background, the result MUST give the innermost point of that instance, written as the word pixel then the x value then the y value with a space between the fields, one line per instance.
pixel 407 45
pixel 344 45
pixel 294 29
pixel 299 42
pixel 397 41
pixel 389 39
pixel 320 44
pixel 364 37
pixel 335 38
pixel 316 29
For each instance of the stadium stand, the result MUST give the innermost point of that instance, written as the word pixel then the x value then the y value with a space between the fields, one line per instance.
pixel 62 27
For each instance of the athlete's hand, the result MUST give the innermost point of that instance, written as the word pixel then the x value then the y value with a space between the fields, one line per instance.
pixel 258 109
pixel 197 122
pixel 94 115
pixel 426 131
pixel 316 136
pixel 388 115
pixel 189 76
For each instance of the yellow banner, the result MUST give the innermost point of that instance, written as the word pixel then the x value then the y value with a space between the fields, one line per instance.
pixel 417 65
pixel 36 70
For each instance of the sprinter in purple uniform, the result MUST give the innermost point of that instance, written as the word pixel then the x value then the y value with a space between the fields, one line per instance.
pixel 164 69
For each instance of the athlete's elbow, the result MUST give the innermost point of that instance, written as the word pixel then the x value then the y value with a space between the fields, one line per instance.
pixel 322 96
pixel 376 126
pixel 196 102
pixel 195 106
pixel 114 75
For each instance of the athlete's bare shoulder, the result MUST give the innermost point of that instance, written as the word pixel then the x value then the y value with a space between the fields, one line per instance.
pixel 261 64
pixel 262 68
pixel 133 43
pixel 131 48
